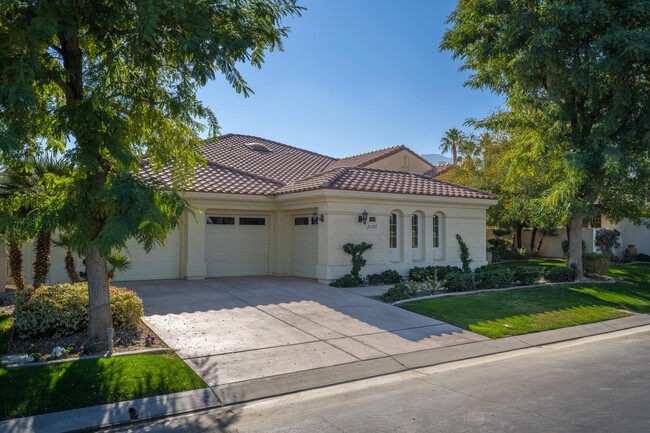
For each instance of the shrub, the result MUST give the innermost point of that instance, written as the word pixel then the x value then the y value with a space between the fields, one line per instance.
pixel 356 251
pixel 487 268
pixel 396 293
pixel 607 240
pixel 493 279
pixel 527 276
pixel 56 311
pixel 432 272
pixel 460 282
pixel 561 274
pixel 595 264
pixel 347 280
pixel 642 257
pixel 389 276
pixel 464 254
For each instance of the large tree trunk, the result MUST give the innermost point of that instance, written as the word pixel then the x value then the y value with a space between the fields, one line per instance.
pixel 532 241
pixel 98 293
pixel 42 258
pixel 16 265
pixel 575 242
pixel 520 228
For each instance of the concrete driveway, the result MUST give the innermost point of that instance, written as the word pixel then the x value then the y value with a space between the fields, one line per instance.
pixel 238 329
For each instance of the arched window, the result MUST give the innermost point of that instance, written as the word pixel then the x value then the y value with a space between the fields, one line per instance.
pixel 415 231
pixel 392 231
pixel 436 231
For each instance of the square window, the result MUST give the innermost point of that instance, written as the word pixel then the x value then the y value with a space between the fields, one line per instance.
pixel 221 220
pixel 248 221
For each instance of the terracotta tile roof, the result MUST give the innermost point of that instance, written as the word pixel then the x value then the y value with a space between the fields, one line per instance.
pixel 374 180
pixel 441 168
pixel 236 168
pixel 365 158
pixel 284 163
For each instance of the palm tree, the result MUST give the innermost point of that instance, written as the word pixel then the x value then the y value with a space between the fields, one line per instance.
pixel 451 141
pixel 116 262
pixel 14 243
pixel 24 178
pixel 63 241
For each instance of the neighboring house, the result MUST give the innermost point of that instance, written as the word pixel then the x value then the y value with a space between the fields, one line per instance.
pixel 272 209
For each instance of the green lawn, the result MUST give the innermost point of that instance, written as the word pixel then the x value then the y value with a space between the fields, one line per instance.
pixel 6 322
pixel 41 389
pixel 540 308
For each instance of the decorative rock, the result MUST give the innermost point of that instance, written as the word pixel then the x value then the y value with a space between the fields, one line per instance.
pixel 15 359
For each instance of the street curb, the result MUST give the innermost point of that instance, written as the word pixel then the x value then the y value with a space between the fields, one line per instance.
pixel 115 414
pixel 275 386
pixel 220 396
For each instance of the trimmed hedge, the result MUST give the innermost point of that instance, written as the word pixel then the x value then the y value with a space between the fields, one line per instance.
pixel 56 311
pixel 527 276
pixel 493 279
pixel 389 276
pixel 642 257
pixel 421 274
pixel 347 280
pixel 460 282
pixel 561 274
pixel 595 265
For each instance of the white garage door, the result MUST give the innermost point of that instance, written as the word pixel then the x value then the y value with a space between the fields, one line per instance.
pixel 236 245
pixel 305 247
pixel 160 264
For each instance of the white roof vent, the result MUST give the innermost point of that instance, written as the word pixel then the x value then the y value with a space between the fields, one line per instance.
pixel 258 147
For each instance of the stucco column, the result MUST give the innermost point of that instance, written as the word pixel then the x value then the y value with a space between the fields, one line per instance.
pixel 3 267
pixel 427 239
pixel 325 245
pixel 407 246
pixel 194 246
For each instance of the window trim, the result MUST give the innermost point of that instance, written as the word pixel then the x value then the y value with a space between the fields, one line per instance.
pixel 435 231
pixel 415 226
pixel 393 230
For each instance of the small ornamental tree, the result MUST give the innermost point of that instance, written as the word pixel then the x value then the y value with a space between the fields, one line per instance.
pixel 608 240
pixel 117 83
pixel 356 251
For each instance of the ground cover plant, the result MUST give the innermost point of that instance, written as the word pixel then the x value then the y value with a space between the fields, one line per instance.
pixel 70 385
pixel 6 322
pixel 520 311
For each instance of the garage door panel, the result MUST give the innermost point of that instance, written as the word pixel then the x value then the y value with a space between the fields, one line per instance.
pixel 161 263
pixel 305 250
pixel 235 249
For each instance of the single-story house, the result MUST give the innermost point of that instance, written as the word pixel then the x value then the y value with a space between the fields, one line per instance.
pixel 273 209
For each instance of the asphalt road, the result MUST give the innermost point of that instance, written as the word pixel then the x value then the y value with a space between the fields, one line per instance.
pixel 600 386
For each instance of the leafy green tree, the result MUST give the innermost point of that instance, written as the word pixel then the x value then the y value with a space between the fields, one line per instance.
pixel 119 82
pixel 575 77
pixel 27 178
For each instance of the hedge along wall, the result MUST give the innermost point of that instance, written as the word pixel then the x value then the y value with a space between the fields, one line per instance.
pixel 552 246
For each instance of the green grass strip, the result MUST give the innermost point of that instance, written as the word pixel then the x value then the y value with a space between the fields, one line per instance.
pixel 50 388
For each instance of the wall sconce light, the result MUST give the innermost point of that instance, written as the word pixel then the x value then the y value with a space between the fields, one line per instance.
pixel 315 218
pixel 363 218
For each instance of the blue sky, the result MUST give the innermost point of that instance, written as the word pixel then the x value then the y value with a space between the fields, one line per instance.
pixel 355 75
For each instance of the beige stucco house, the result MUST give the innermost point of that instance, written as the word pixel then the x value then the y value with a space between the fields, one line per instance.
pixel 273 209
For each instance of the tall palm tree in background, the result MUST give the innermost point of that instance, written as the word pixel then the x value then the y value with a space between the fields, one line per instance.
pixel 63 241
pixel 25 178
pixel 14 244
pixel 451 141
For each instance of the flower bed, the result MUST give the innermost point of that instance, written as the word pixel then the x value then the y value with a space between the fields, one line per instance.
pixel 62 310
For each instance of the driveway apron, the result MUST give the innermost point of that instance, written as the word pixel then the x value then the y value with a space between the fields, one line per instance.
pixel 239 329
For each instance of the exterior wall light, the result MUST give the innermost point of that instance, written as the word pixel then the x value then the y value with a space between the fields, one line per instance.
pixel 363 218
pixel 315 218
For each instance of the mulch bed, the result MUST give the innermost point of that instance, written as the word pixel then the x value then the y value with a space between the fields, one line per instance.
pixel 125 339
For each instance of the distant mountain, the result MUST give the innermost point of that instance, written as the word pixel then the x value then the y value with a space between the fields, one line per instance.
pixel 435 158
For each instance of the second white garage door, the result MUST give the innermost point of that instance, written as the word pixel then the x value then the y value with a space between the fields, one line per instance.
pixel 161 263
pixel 236 245
pixel 305 247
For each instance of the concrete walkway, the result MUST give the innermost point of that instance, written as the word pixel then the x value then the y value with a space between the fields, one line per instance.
pixel 234 330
